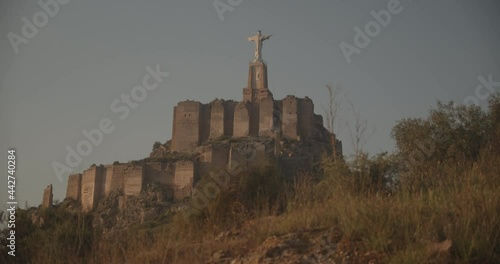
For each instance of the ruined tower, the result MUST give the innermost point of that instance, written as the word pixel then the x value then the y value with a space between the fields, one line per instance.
pixel 47 197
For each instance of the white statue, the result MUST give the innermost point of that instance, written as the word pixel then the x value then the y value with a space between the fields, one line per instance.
pixel 258 39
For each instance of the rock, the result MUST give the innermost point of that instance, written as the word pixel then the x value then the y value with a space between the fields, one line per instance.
pixel 441 247
pixel 221 256
pixel 118 212
pixel 312 246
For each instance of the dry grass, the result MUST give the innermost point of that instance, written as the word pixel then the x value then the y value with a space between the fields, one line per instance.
pixel 463 205
pixel 464 208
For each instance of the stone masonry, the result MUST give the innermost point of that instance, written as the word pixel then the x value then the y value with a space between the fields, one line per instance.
pixel 257 115
pixel 198 127
pixel 47 197
pixel 98 182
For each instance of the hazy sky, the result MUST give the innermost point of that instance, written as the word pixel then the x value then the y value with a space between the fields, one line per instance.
pixel 64 79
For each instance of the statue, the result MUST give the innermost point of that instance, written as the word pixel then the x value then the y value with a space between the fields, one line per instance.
pixel 258 39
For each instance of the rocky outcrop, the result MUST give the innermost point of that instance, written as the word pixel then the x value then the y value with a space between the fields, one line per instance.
pixel 119 212
pixel 323 245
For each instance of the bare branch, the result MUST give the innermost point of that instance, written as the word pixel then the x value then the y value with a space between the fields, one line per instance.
pixel 334 105
pixel 358 132
pixel 332 113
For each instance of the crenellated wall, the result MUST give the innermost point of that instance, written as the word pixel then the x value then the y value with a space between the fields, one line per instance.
pixel 217 117
pixel 266 119
pixel 97 182
pixel 241 123
pixel 196 123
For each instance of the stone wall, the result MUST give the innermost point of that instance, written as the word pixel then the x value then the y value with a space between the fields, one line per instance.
pixel 196 123
pixel 266 117
pixel 184 174
pixel 134 180
pixel 220 155
pixel 184 179
pixel 248 155
pixel 289 121
pixel 98 182
pixel 305 116
pixel 229 107
pixel 318 120
pixel 117 180
pixel 159 172
pixel 338 146
pixel 74 187
pixel 254 119
pixel 242 119
pixel 217 117
pixel 91 187
pixel 47 197
pixel 205 113
pixel 213 157
pixel 101 192
pixel 108 179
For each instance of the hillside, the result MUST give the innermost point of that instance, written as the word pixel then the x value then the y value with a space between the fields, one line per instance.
pixel 443 208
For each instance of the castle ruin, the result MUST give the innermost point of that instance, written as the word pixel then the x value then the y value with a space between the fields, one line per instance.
pixel 199 128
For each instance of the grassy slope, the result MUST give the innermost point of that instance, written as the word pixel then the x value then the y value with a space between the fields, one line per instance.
pixel 401 227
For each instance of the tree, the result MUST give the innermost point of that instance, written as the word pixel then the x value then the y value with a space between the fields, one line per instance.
pixel 156 145
pixel 358 131
pixel 494 118
pixel 450 133
pixel 334 105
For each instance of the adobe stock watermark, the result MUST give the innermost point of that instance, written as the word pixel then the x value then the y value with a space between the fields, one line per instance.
pixel 95 136
pixel 29 29
pixel 488 85
pixel 223 6
pixel 372 29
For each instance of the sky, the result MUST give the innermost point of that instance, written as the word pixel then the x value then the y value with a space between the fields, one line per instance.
pixel 63 77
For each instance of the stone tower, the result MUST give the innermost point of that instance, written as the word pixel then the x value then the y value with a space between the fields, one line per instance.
pixel 257 73
pixel 47 197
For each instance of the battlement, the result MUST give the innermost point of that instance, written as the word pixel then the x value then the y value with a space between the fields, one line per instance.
pixel 257 115
pixel 97 182
pixel 196 123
